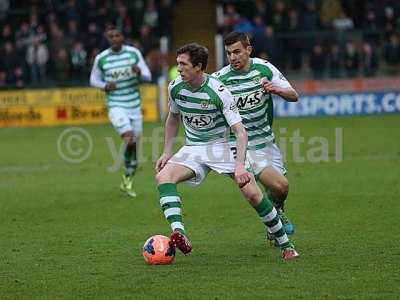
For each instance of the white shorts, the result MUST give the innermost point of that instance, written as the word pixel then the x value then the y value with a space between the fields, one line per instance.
pixel 269 156
pixel 125 120
pixel 202 159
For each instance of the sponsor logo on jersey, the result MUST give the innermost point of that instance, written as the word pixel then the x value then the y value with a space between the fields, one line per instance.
pixel 198 121
pixel 120 73
pixel 249 101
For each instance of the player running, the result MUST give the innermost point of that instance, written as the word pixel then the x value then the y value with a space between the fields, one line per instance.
pixel 252 81
pixel 118 71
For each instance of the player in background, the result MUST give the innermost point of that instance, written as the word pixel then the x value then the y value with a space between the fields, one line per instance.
pixel 208 113
pixel 253 81
pixel 119 71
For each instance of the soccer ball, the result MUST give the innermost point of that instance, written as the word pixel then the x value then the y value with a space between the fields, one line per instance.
pixel 157 251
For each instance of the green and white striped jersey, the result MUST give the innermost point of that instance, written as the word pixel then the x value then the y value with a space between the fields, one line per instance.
pixel 110 66
pixel 255 106
pixel 207 112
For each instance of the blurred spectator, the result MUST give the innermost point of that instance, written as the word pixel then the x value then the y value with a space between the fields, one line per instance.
pixel 271 46
pixel 335 61
pixel 78 61
pixel 71 11
pixel 13 66
pixel 369 60
pixel 146 40
pixel 231 17
pixel 37 57
pixel 4 6
pixel 351 59
pixel 3 78
pixel 94 37
pixel 23 37
pixel 73 32
pixel 330 10
pixel 295 44
pixel 392 54
pixel 62 67
pixel 317 62
pixel 371 33
pixel 7 34
pixel 150 17
pixel 123 20
pixel 165 15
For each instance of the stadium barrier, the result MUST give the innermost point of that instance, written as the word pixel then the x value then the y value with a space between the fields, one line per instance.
pixel 66 106
pixel 339 104
pixel 359 96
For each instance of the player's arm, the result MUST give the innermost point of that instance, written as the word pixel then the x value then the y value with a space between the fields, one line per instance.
pixel 171 131
pixel 141 68
pixel 97 81
pixel 279 86
pixel 232 116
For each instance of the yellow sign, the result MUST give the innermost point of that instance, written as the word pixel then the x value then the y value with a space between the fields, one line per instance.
pixel 51 107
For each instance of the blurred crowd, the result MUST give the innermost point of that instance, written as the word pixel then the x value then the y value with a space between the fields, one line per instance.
pixel 329 38
pixel 46 42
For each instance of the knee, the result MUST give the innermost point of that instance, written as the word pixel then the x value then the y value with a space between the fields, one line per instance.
pixel 253 195
pixel 129 139
pixel 281 189
pixel 164 177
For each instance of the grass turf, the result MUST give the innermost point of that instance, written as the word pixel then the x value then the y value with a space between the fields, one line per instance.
pixel 66 232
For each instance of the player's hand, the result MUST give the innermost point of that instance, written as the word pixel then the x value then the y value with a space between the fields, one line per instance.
pixel 162 161
pixel 136 70
pixel 242 177
pixel 269 87
pixel 111 86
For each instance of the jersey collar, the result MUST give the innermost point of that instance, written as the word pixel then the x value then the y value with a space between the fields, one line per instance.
pixel 205 82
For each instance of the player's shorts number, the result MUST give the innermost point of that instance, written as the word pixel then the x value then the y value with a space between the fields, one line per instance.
pixel 234 152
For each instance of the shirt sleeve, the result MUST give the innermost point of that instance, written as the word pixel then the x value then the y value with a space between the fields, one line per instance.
pixel 173 107
pixel 277 78
pixel 229 108
pixel 144 69
pixel 95 75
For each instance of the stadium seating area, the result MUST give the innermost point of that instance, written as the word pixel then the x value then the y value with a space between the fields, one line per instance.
pixel 329 38
pixel 54 42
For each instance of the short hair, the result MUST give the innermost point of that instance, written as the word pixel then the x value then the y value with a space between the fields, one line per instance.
pixel 112 27
pixel 198 54
pixel 236 36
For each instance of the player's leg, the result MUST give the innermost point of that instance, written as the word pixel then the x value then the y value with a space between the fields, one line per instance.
pixel 277 188
pixel 222 160
pixel 179 168
pixel 268 165
pixel 269 216
pixel 131 140
pixel 122 123
pixel 130 162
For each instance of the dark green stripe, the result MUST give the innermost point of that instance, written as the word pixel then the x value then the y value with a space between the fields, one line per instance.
pixel 174 218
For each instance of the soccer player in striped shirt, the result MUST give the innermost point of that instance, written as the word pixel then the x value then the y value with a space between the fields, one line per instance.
pixel 118 71
pixel 253 81
pixel 208 112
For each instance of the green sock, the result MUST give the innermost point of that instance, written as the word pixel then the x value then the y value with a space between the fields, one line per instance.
pixel 130 160
pixel 270 218
pixel 171 206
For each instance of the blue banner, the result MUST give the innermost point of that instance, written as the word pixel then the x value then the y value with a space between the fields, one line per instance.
pixel 339 104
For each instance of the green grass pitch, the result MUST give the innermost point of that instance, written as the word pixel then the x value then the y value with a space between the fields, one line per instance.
pixel 66 231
